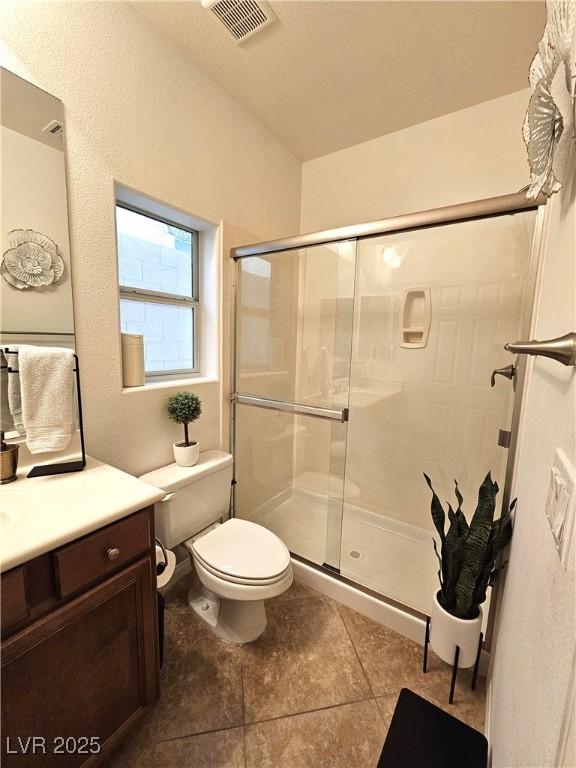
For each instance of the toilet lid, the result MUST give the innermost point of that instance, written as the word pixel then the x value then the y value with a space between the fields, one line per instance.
pixel 243 549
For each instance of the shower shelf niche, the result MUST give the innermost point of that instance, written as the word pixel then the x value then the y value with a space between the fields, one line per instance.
pixel 416 317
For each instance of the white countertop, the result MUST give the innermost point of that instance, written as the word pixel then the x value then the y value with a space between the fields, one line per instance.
pixel 41 513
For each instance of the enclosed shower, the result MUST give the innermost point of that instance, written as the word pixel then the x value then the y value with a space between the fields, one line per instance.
pixel 363 358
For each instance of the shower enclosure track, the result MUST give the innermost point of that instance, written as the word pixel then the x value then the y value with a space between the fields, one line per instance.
pixel 479 209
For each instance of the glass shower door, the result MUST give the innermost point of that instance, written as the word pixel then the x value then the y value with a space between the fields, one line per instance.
pixel 433 310
pixel 294 316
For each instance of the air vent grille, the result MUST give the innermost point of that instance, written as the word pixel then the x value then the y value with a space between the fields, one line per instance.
pixel 242 18
pixel 54 127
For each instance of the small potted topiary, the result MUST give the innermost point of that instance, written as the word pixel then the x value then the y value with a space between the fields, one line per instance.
pixel 184 408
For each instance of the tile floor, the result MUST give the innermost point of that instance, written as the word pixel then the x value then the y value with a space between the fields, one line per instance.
pixel 317 690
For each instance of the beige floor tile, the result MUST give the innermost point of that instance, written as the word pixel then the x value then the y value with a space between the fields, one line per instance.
pixel 220 749
pixel 303 661
pixel 176 594
pixel 390 660
pixel 469 706
pixel 137 749
pixel 387 705
pixel 201 681
pixel 348 736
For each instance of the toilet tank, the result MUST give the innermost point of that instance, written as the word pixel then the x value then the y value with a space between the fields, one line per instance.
pixel 195 497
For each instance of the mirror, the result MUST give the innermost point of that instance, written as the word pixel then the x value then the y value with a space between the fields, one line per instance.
pixel 35 275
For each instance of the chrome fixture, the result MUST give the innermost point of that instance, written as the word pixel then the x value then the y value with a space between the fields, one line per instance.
pixel 340 414
pixel 509 372
pixel 113 553
pixel 562 349
pixel 492 206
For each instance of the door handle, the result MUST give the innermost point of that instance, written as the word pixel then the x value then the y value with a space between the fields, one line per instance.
pixel 562 349
pixel 509 372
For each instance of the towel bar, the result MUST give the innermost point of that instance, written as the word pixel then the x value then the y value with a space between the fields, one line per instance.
pixel 40 470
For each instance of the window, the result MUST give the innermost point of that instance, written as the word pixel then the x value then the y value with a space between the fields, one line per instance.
pixel 158 276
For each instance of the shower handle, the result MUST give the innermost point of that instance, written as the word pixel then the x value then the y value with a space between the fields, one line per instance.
pixel 562 349
pixel 508 372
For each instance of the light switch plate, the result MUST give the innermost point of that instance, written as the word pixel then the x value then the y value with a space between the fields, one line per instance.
pixel 560 507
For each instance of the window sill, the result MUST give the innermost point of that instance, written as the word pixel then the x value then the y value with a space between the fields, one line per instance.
pixel 189 381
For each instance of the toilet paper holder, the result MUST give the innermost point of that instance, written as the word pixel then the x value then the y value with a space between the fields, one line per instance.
pixel 161 567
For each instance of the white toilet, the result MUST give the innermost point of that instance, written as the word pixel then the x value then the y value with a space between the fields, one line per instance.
pixel 238 564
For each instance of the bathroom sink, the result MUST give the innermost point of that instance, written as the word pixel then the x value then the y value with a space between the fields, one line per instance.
pixel 11 504
pixel 6 520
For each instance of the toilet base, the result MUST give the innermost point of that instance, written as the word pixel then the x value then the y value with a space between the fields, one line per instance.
pixel 235 621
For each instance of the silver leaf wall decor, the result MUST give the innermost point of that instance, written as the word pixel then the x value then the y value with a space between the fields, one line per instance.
pixel 32 261
pixel 549 124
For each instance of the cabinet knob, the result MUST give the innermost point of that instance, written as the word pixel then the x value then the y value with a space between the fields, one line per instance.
pixel 113 553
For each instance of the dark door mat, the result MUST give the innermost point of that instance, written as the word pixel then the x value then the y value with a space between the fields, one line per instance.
pixel 422 735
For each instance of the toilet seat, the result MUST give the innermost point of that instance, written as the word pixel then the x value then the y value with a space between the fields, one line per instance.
pixel 239 579
pixel 242 552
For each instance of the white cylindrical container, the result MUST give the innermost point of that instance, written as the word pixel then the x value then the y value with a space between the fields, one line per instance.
pixel 448 631
pixel 133 360
pixel 186 455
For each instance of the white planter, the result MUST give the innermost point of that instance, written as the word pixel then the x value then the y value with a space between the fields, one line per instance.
pixel 447 631
pixel 186 455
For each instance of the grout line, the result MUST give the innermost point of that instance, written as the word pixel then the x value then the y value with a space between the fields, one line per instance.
pixel 243 713
pixel 242 693
pixel 199 733
pixel 423 685
pixel 355 651
pixel 264 720
pixel 309 711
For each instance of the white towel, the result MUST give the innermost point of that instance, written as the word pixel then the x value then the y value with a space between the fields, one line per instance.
pixel 6 420
pixel 12 382
pixel 47 385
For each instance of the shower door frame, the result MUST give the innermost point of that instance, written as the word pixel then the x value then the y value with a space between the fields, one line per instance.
pixel 480 209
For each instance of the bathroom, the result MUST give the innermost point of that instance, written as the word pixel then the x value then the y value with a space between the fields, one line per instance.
pixel 327 231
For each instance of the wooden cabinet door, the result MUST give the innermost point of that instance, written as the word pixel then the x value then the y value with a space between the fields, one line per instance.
pixel 86 670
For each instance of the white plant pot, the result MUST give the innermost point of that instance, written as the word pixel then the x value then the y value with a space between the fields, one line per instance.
pixel 186 455
pixel 448 631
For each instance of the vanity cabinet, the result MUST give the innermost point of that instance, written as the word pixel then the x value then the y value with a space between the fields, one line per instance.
pixel 80 661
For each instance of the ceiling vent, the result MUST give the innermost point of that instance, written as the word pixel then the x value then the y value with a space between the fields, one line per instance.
pixel 242 18
pixel 54 127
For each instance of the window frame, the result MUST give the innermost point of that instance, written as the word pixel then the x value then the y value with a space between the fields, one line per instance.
pixel 171 299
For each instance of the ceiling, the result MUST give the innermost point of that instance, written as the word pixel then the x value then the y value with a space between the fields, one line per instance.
pixel 328 75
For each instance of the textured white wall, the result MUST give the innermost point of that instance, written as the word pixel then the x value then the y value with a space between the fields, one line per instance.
pixel 536 641
pixel 467 155
pixel 139 112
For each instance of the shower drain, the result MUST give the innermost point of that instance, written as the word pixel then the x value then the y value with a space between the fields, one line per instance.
pixel 355 555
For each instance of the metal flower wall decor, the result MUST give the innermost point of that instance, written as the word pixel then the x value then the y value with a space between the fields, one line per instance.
pixel 32 261
pixel 550 121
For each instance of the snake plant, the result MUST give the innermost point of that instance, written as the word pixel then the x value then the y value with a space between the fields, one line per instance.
pixel 468 552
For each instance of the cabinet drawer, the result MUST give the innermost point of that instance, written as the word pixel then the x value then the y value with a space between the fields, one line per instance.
pixel 13 594
pixel 85 561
